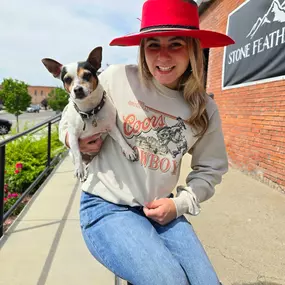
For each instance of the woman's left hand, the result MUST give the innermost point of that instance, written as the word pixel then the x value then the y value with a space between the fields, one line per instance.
pixel 161 211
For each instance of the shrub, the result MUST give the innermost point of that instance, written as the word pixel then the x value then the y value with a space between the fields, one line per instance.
pixel 26 158
pixel 10 199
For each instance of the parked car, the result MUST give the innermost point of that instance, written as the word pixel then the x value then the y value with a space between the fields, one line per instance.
pixel 33 109
pixel 5 126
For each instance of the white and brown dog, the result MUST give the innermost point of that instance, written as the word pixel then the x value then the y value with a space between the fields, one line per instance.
pixel 90 111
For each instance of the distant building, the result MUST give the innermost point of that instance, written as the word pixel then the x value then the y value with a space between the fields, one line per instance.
pixel 38 93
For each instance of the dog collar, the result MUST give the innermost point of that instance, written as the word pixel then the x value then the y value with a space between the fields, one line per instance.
pixel 89 114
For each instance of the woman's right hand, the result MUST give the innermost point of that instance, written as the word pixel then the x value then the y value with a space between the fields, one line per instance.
pixel 90 144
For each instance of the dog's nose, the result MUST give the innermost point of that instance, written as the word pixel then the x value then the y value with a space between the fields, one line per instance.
pixel 78 89
pixel 79 92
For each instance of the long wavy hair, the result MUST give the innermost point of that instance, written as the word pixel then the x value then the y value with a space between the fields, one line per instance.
pixel 191 84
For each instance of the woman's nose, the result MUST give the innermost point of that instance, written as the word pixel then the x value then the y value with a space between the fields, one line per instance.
pixel 163 53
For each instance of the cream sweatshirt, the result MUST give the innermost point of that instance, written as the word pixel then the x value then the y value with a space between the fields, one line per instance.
pixel 151 120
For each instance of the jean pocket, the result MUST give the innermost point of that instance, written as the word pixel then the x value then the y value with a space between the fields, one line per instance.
pixel 93 211
pixel 84 218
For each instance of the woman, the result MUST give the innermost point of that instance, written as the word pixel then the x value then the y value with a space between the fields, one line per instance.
pixel 130 221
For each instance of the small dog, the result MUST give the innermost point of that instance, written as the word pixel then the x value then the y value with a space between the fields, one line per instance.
pixel 90 110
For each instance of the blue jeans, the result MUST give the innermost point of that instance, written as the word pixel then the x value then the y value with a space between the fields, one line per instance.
pixel 140 250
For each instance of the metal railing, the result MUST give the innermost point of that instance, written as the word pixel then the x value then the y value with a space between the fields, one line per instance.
pixel 47 123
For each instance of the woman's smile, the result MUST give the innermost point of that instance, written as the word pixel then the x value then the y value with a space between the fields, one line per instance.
pixel 165 69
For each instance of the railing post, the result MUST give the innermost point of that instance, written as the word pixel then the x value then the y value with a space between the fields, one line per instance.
pixel 3 217
pixel 49 144
pixel 2 183
pixel 118 280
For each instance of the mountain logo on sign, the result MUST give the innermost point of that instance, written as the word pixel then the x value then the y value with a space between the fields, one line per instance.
pixel 276 13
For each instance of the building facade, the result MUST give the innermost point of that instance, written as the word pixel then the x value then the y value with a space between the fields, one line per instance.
pixel 38 93
pixel 252 110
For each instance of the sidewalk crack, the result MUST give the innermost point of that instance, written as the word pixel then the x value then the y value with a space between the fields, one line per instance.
pixel 259 276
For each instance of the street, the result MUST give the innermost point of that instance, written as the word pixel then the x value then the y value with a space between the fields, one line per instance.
pixel 27 120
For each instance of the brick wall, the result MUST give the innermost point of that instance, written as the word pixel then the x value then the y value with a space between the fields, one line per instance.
pixel 253 117
pixel 38 93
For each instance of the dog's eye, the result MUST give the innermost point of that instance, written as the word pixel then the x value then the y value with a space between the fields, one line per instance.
pixel 86 76
pixel 67 80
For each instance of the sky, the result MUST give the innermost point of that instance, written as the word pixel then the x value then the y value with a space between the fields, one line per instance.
pixel 63 30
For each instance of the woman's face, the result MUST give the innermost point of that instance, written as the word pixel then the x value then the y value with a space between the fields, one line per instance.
pixel 167 59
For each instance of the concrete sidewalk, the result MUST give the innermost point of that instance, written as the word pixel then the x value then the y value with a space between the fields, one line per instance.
pixel 241 228
pixel 44 246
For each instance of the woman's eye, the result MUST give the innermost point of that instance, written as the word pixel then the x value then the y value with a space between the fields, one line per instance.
pixel 153 46
pixel 176 45
pixel 67 80
pixel 87 76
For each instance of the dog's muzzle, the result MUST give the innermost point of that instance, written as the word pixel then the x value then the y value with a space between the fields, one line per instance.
pixel 79 92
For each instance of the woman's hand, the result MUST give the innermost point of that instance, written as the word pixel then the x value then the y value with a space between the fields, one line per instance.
pixel 90 144
pixel 161 211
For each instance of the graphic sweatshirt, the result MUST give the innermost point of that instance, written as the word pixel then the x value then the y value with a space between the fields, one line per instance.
pixel 152 120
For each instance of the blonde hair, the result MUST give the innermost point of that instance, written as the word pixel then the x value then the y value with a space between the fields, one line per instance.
pixel 191 84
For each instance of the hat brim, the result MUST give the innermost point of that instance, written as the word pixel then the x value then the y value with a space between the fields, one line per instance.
pixel 208 39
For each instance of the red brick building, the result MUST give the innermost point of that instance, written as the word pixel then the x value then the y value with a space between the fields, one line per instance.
pixel 253 116
pixel 38 93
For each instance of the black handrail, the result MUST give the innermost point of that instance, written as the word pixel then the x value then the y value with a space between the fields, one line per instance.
pixel 53 120
pixel 49 164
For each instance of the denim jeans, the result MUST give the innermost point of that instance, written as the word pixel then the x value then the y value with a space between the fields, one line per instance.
pixel 140 250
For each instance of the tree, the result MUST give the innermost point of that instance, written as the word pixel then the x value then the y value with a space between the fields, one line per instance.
pixel 16 97
pixel 44 103
pixel 58 99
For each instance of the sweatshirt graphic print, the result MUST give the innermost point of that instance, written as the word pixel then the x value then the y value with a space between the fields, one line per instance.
pixel 157 143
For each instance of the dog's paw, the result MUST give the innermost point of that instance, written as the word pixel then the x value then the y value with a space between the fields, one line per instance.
pixel 85 174
pixel 81 173
pixel 130 154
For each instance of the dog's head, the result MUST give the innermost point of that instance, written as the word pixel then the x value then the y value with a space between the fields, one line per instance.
pixel 79 78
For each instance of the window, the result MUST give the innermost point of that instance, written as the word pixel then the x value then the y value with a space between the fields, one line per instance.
pixel 42 92
pixel 36 92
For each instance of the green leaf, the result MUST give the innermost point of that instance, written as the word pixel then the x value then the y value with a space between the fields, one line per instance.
pixel 58 99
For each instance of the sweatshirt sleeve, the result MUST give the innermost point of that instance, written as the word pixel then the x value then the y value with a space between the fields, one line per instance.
pixel 209 163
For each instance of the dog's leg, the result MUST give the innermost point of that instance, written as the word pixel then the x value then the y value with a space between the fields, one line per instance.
pixel 127 150
pixel 77 158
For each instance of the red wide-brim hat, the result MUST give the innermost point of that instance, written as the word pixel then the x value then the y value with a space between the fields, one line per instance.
pixel 172 18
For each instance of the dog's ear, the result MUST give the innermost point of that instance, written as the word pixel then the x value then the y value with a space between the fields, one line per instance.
pixel 52 66
pixel 95 57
